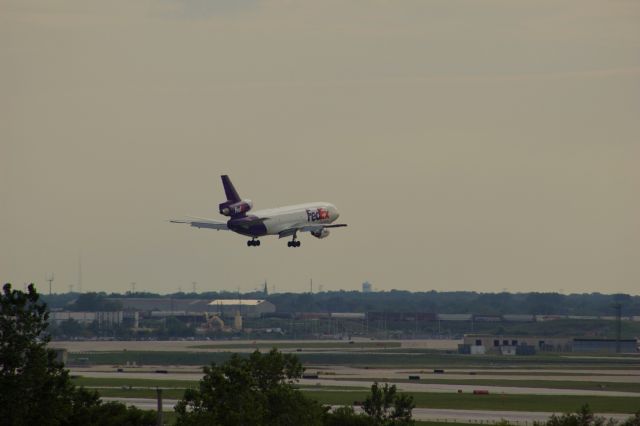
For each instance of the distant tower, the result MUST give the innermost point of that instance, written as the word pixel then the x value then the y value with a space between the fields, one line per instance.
pixel 194 284
pixel 367 287
pixel 50 279
pixel 79 273
pixel 265 292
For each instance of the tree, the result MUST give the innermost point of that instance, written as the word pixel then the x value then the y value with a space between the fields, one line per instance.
pixel 632 421
pixel 94 302
pixel 346 416
pixel 71 328
pixel 257 390
pixel 88 409
pixel 386 407
pixel 583 417
pixel 35 389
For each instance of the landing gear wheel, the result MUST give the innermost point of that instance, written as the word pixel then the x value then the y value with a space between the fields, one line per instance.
pixel 253 243
pixel 289 243
pixel 297 243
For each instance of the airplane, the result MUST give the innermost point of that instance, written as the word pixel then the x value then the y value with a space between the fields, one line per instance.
pixel 316 218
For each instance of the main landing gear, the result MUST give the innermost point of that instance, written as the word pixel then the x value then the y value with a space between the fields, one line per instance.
pixel 253 243
pixel 294 242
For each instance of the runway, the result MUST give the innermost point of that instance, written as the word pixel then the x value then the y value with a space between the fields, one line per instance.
pixel 406 387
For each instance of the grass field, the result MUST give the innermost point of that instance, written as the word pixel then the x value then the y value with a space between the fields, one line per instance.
pixel 558 403
pixel 97 382
pixel 119 383
pixel 552 384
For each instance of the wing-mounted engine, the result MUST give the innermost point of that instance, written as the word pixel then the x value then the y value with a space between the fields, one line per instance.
pixel 321 233
pixel 235 209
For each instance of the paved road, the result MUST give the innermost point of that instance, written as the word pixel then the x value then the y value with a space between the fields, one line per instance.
pixel 406 387
pixel 345 372
pixel 433 414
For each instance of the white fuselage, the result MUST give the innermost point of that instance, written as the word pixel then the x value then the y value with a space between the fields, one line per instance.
pixel 279 219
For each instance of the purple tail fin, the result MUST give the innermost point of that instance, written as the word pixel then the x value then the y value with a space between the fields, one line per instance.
pixel 229 190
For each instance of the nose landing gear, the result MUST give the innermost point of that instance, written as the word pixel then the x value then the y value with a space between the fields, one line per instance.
pixel 253 243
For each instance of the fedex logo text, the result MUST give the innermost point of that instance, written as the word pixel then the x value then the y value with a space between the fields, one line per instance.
pixel 315 215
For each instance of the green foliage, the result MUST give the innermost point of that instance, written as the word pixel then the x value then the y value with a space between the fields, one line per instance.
pixel 386 407
pixel 173 327
pixel 585 417
pixel 257 390
pixel 94 302
pixel 34 388
pixel 89 410
pixel 632 421
pixel 345 416
pixel 71 328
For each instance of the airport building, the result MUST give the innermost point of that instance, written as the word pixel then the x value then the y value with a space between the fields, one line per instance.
pixel 165 306
pixel 103 319
pixel 249 308
pixel 148 304
pixel 605 345
pixel 513 345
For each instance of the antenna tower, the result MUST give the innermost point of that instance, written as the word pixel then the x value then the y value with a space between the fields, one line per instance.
pixel 50 279
pixel 79 273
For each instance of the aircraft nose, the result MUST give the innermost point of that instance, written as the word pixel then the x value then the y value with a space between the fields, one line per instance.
pixel 334 212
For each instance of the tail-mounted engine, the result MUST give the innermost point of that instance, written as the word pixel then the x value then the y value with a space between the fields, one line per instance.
pixel 322 233
pixel 235 209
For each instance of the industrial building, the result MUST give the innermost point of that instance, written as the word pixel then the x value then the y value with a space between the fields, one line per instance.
pixel 165 306
pixel 524 345
pixel 104 319
pixel 507 345
pixel 605 345
pixel 148 304
pixel 249 308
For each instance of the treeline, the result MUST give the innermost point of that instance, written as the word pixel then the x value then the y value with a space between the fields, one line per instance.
pixel 459 302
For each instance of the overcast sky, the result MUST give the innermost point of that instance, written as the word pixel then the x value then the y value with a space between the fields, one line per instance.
pixel 469 145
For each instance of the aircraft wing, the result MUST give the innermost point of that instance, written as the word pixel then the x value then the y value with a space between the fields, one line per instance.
pixel 309 228
pixel 198 222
